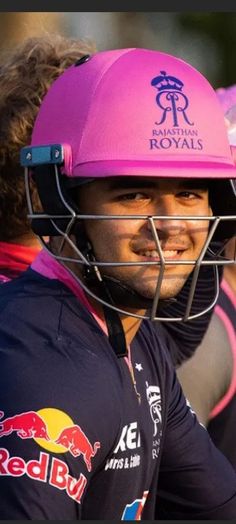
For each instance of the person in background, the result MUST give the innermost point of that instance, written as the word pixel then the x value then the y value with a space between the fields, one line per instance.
pixel 25 76
pixel 129 152
pixel 209 377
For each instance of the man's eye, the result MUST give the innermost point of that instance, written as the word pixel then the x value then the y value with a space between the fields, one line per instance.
pixel 188 195
pixel 133 196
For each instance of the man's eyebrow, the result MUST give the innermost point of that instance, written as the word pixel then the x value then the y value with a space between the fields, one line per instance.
pixel 201 183
pixel 131 182
pixel 139 182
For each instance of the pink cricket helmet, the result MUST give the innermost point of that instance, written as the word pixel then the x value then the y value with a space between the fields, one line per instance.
pixel 131 112
pixel 135 112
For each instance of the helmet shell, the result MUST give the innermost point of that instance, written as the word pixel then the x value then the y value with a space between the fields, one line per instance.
pixel 135 112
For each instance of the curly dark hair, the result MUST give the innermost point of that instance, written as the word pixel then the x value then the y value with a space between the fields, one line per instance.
pixel 25 77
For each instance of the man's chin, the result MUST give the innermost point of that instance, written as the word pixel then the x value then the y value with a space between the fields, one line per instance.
pixel 168 290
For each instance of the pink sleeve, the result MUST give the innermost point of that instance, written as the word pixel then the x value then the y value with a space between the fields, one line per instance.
pixel 232 339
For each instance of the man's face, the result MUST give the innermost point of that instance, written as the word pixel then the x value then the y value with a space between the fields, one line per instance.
pixel 132 240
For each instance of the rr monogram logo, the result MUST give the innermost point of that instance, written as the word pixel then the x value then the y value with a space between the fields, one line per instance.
pixel 171 99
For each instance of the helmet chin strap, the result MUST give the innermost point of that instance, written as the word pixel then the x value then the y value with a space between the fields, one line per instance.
pixel 116 293
pixel 125 296
pixel 115 328
pixel 116 334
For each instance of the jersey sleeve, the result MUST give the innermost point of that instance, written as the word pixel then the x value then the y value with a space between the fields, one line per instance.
pixel 196 481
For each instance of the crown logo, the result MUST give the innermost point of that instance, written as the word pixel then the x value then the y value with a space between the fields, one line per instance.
pixel 165 82
pixel 153 394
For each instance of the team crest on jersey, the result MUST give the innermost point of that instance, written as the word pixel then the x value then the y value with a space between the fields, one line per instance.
pixel 154 401
pixel 153 395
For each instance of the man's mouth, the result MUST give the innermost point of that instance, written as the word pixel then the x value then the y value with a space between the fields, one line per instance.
pixel 168 254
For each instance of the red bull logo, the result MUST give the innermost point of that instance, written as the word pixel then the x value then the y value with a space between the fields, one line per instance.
pixel 55 431
pixel 74 439
pixel 57 472
pixel 26 425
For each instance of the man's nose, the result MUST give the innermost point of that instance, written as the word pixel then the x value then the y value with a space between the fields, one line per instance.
pixel 166 221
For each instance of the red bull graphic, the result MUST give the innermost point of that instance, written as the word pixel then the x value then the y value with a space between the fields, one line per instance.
pixel 55 431
pixel 57 472
pixel 75 440
pixel 26 425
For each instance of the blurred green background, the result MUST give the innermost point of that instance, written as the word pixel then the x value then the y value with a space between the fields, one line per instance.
pixel 206 40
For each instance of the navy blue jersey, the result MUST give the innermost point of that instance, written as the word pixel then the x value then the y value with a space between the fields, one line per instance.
pixel 79 439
